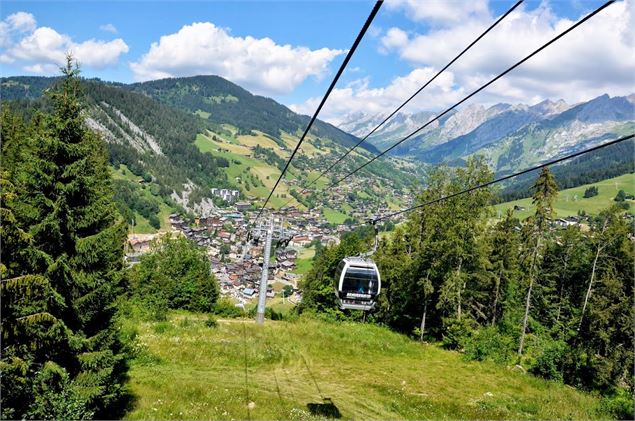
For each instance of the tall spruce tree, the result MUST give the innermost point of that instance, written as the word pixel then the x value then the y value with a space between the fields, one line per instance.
pixel 545 193
pixel 64 269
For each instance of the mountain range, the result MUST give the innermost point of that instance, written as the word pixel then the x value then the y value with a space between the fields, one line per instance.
pixel 185 136
pixel 179 138
pixel 511 137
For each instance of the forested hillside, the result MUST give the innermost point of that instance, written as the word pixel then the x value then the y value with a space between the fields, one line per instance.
pixel 171 141
pixel 606 163
pixel 223 102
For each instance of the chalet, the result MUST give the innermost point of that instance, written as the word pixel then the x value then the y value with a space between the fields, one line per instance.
pixel 564 222
pixel 243 206
pixel 287 264
pixel 300 241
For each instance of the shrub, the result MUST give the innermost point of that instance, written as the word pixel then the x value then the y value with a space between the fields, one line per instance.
pixel 621 196
pixel 176 275
pixel 211 322
pixel 549 362
pixel 619 405
pixel 489 344
pixel 227 309
pixel 457 333
pixel 590 192
pixel 270 313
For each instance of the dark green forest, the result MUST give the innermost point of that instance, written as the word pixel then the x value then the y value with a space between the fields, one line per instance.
pixel 556 302
pixel 613 161
pixel 175 131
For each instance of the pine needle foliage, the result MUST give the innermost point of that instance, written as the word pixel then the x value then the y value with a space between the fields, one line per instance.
pixel 62 261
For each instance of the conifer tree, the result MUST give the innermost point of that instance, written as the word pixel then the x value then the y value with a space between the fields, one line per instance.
pixel 545 192
pixel 66 267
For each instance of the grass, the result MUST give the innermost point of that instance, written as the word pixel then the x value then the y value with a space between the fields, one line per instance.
pixel 203 114
pixel 263 141
pixel 304 261
pixel 287 370
pixel 239 160
pixel 569 201
pixel 334 216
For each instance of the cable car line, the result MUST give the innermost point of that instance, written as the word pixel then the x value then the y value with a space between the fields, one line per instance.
pixel 350 53
pixel 507 177
pixel 438 116
pixel 358 280
pixel 500 19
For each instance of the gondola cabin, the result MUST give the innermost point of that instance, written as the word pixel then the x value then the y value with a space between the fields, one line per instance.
pixel 357 283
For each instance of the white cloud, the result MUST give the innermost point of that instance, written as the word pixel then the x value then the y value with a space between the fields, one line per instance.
pixel 395 39
pixel 259 65
pixel 15 24
pixel 109 27
pixel 359 96
pixel 440 11
pixel 21 21
pixel 596 58
pixel 42 49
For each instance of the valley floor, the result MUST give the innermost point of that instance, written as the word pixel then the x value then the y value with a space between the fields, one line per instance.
pixel 309 369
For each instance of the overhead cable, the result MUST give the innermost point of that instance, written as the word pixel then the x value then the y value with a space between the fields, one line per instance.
pixel 438 116
pixel 507 177
pixel 350 53
pixel 403 104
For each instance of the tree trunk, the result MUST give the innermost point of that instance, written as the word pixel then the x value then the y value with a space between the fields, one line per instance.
pixel 458 276
pixel 562 278
pixel 423 320
pixel 528 302
pixel 588 291
pixel 498 283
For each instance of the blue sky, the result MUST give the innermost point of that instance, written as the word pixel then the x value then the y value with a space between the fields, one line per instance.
pixel 289 50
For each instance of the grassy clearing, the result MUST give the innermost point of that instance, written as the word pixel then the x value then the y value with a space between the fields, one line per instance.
pixel 334 216
pixel 239 162
pixel 263 141
pixel 285 370
pixel 203 114
pixel 569 201
pixel 304 262
pixel 320 183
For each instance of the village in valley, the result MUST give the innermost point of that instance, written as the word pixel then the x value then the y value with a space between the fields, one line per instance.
pixel 227 234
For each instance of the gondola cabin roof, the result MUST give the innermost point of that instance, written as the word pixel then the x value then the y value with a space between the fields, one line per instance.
pixel 359 261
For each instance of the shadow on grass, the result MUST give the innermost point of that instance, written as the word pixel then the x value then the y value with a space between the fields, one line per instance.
pixel 324 409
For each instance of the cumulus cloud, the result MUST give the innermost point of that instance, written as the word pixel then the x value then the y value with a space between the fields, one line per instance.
pixel 359 96
pixel 42 49
pixel 395 39
pixel 440 12
pixel 109 27
pixel 259 65
pixel 596 58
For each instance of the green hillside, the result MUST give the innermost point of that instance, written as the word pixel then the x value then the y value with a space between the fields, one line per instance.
pixel 238 370
pixel 223 102
pixel 570 201
pixel 255 161
pixel 204 132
